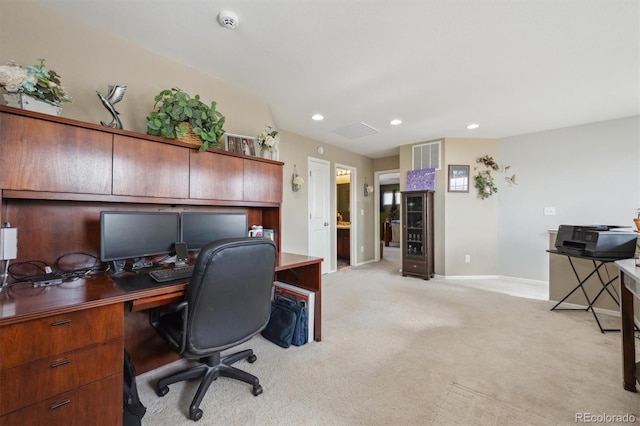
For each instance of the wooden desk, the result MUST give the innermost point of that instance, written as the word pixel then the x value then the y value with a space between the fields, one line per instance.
pixel 83 322
pixel 629 288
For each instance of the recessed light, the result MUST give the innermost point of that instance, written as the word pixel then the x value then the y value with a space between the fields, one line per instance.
pixel 395 122
pixel 473 126
pixel 317 117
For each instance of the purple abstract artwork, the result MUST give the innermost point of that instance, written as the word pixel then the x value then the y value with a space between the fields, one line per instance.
pixel 421 180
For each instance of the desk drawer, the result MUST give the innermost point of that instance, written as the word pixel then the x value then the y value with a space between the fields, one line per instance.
pixel 40 338
pixel 44 378
pixel 97 404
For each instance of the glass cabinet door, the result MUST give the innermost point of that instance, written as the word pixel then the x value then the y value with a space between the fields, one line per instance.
pixel 414 209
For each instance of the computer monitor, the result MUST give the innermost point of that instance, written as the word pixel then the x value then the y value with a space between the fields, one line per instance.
pixel 199 228
pixel 131 235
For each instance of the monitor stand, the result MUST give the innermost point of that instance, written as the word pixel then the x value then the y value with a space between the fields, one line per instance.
pixel 140 263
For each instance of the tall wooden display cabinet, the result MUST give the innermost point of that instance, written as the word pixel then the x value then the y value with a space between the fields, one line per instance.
pixel 417 234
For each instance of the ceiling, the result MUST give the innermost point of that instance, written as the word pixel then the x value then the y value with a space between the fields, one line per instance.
pixel 513 67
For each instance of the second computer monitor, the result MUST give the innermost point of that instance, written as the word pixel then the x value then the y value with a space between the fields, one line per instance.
pixel 197 229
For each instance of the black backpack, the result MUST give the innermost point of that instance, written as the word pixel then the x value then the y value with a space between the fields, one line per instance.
pixel 133 410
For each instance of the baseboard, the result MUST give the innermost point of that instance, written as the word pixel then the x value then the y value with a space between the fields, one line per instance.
pixel 469 277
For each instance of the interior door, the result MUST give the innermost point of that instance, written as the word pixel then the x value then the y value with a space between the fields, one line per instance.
pixel 319 211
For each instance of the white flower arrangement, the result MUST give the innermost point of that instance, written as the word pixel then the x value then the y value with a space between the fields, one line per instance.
pixel 268 139
pixel 33 80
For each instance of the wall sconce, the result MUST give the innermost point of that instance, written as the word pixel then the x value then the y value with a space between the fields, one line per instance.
pixel 296 180
pixel 368 189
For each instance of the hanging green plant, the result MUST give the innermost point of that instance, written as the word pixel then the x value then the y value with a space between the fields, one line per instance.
pixel 484 179
pixel 485 184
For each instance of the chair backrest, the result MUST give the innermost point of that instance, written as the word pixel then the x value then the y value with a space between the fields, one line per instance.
pixel 229 295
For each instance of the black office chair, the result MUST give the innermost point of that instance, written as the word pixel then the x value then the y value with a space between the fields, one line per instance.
pixel 227 302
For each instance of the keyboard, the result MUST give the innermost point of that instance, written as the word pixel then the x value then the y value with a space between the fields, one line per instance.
pixel 164 275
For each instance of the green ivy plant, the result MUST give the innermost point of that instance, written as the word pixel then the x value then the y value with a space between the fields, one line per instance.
pixel 484 180
pixel 484 184
pixel 174 107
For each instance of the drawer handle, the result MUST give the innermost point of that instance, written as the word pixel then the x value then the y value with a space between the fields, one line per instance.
pixel 63 322
pixel 61 362
pixel 60 404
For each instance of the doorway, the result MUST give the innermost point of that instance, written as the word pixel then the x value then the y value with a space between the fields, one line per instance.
pixel 345 216
pixel 387 194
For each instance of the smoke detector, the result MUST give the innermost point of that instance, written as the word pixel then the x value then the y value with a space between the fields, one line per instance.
pixel 228 19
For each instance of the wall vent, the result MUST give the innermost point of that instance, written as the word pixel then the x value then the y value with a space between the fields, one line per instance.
pixel 426 156
pixel 357 131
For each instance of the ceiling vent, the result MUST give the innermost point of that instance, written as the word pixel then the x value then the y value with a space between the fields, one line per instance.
pixel 357 131
pixel 228 19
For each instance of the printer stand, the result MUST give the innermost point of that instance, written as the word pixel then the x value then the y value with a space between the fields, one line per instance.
pixel 607 286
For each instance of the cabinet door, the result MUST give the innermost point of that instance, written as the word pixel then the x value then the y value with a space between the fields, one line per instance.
pixel 38 155
pixel 215 176
pixel 414 226
pixel 262 181
pixel 149 169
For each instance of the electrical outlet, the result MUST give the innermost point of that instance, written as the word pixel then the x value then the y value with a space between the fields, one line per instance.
pixel 467 258
pixel 549 211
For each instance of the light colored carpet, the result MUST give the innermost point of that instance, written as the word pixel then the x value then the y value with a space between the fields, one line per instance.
pixel 405 351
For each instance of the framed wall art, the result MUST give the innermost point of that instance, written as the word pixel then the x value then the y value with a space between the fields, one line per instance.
pixel 458 178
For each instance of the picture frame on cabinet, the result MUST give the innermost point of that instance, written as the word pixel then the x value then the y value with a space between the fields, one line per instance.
pixel 241 144
pixel 458 178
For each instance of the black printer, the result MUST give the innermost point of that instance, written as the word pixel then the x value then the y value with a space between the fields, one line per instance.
pixel 596 241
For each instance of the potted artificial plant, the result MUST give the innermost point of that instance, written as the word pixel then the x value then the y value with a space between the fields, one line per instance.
pixel 176 115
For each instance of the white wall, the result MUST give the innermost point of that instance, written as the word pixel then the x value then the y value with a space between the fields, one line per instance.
pixel 89 59
pixel 589 173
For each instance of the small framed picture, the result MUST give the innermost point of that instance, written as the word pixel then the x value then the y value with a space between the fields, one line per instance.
pixel 458 178
pixel 241 144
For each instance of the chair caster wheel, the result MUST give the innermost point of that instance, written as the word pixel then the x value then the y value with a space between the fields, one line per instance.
pixel 257 390
pixel 196 414
pixel 252 359
pixel 162 391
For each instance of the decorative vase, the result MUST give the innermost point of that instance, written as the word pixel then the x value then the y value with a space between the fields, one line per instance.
pixel 637 221
pixel 487 189
pixel 24 101
pixel 275 154
pixel 266 153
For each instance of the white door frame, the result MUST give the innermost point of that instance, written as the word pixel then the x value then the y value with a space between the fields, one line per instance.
pixel 353 207
pixel 376 210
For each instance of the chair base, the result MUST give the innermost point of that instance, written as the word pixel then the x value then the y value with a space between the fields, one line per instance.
pixel 211 368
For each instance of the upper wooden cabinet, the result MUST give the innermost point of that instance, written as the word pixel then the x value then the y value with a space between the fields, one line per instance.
pixel 215 177
pixel 149 169
pixel 61 158
pixel 38 155
pixel 262 181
